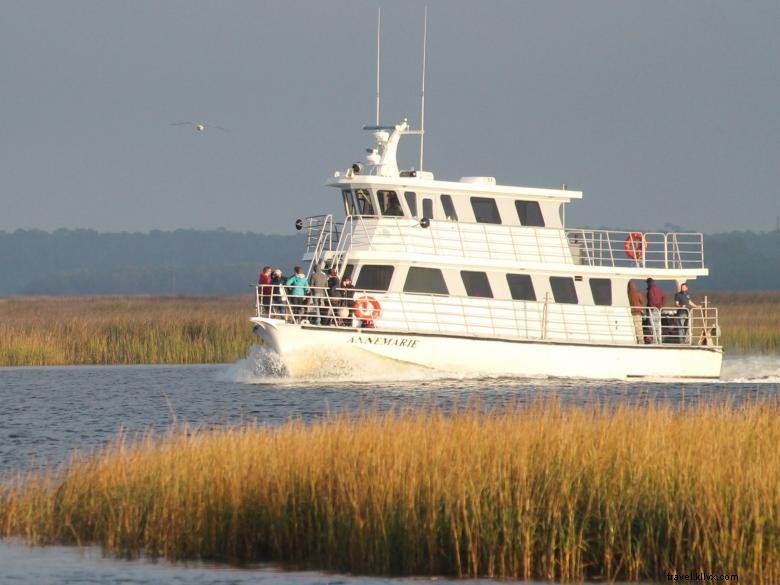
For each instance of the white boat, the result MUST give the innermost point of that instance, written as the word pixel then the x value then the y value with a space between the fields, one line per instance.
pixel 472 277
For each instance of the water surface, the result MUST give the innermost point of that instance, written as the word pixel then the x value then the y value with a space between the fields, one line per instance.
pixel 48 412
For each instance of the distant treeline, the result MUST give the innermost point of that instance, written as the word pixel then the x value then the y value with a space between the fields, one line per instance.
pixel 217 262
pixel 85 262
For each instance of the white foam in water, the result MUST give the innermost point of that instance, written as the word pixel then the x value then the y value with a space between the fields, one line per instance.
pixel 263 366
pixel 751 369
pixel 346 364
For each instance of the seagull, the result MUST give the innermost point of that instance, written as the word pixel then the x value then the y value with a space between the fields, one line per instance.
pixel 199 126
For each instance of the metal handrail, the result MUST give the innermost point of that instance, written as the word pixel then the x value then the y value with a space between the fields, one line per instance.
pixel 661 250
pixel 495 318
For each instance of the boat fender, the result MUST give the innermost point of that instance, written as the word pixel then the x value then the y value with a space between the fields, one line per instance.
pixel 636 245
pixel 367 308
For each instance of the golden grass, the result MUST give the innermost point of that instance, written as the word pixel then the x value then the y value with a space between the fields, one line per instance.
pixel 124 330
pixel 39 331
pixel 749 321
pixel 533 492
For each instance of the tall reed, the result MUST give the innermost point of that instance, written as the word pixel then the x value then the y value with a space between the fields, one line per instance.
pixel 528 492
pixel 124 330
pixel 182 330
pixel 750 321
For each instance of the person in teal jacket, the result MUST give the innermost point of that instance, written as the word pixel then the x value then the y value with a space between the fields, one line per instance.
pixel 297 287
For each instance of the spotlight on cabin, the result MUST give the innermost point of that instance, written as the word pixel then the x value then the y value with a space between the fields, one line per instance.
pixel 425 223
pixel 299 224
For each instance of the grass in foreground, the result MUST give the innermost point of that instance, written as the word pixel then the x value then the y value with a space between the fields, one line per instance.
pixel 124 330
pixel 538 492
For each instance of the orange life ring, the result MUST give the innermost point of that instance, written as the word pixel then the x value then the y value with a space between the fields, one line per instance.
pixel 367 308
pixel 636 245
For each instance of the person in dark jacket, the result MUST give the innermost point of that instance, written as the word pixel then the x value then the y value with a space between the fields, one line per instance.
pixel 341 297
pixel 656 300
pixel 684 303
pixel 277 281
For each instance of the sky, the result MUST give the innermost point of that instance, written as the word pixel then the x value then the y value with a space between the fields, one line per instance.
pixel 662 113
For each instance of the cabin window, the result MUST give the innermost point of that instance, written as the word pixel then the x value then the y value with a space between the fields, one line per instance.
pixel 602 291
pixel 363 202
pixel 449 208
pixel 476 284
pixel 374 277
pixel 521 287
pixel 530 213
pixel 348 271
pixel 389 204
pixel 485 210
pixel 428 208
pixel 425 280
pixel 411 201
pixel 563 289
pixel 349 202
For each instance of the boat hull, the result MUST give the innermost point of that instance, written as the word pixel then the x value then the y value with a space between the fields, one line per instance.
pixel 304 348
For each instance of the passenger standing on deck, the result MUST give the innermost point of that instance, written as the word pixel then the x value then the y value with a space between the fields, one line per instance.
pixel 265 290
pixel 297 287
pixel 636 302
pixel 319 284
pixel 347 293
pixel 656 300
pixel 277 280
pixel 685 304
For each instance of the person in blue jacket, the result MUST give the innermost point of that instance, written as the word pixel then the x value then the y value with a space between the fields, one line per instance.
pixel 297 287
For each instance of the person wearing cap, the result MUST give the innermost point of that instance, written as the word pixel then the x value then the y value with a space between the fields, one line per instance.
pixel 656 300
pixel 685 304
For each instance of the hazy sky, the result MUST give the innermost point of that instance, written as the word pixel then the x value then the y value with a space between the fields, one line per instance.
pixel 661 112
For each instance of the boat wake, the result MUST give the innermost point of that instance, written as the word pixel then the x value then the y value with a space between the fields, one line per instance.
pixel 263 366
pixel 751 369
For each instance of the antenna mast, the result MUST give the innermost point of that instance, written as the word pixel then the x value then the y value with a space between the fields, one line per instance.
pixel 378 33
pixel 422 94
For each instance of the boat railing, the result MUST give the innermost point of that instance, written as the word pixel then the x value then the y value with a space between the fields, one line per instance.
pixel 608 248
pixel 490 318
pixel 321 232
pixel 637 249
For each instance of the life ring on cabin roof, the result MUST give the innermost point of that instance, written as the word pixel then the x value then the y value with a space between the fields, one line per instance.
pixel 636 245
pixel 367 308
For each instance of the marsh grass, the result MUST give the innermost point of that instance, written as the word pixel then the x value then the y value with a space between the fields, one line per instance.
pixel 749 321
pixel 39 331
pixel 527 492
pixel 124 330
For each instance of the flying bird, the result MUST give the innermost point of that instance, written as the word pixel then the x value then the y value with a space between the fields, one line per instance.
pixel 199 126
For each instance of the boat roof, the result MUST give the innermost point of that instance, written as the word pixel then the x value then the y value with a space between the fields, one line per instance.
pixel 381 169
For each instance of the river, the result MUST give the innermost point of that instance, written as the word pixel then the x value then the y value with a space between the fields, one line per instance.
pixel 48 412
